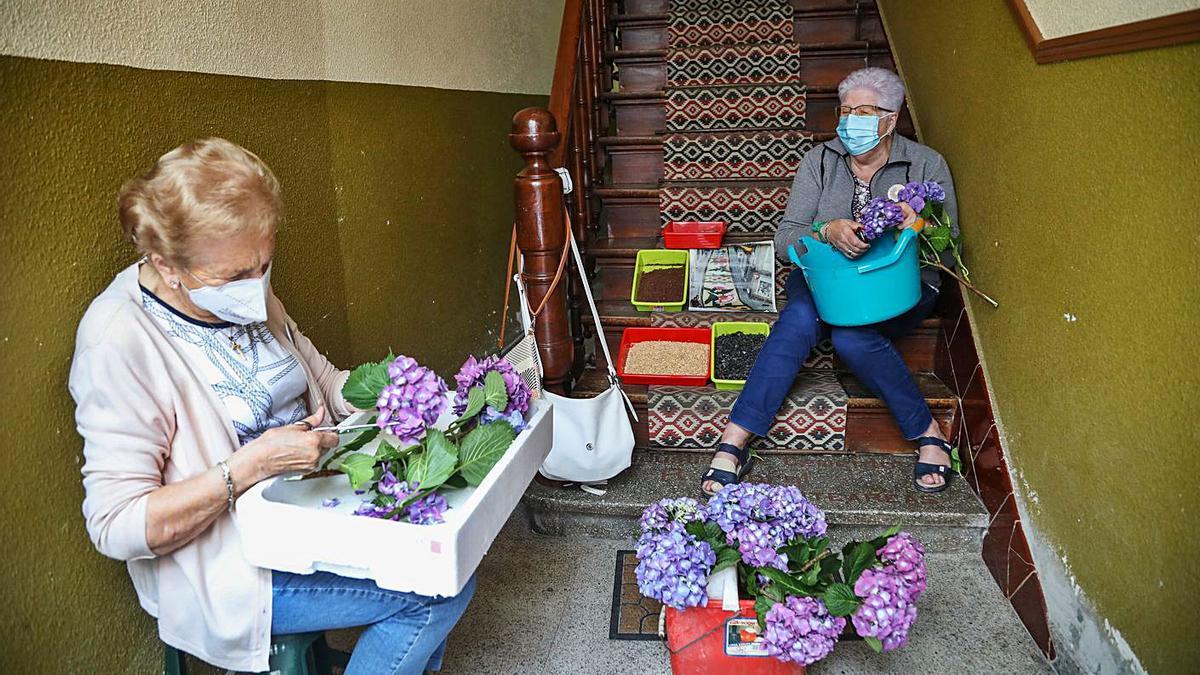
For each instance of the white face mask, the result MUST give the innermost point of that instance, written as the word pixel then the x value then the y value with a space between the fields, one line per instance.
pixel 242 302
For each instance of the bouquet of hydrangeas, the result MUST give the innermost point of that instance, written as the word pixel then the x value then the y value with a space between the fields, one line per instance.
pixel 928 200
pixel 804 591
pixel 415 461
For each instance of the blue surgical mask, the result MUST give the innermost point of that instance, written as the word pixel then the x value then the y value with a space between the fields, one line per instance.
pixel 242 302
pixel 859 133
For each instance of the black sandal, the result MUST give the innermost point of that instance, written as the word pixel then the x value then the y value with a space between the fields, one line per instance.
pixel 723 477
pixel 925 468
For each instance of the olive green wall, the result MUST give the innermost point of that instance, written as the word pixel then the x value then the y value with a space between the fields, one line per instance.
pixel 1078 184
pixel 398 209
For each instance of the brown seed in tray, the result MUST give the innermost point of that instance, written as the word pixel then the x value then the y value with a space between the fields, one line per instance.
pixel 662 357
pixel 661 284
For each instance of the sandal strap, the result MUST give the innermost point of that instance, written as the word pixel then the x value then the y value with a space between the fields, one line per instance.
pixel 742 454
pixel 719 476
pixel 934 440
pixel 925 468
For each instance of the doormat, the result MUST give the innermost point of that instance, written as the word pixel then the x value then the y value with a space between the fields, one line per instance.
pixel 634 617
pixel 812 417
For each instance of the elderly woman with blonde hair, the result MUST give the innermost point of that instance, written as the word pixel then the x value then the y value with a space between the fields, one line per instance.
pixel 192 384
pixel 835 182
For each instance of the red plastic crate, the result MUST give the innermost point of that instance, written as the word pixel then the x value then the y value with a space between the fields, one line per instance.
pixel 634 335
pixel 694 234
pixel 699 639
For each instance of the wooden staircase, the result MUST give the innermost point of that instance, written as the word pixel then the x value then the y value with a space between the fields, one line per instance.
pixel 620 212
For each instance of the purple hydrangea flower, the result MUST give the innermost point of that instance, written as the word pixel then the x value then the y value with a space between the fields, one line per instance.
pixel 515 419
pixel 412 402
pixel 879 215
pixel 801 630
pixel 665 511
pixel 886 613
pixel 474 371
pixel 934 191
pixel 330 503
pixel 427 510
pixel 907 558
pixel 758 519
pixel 673 566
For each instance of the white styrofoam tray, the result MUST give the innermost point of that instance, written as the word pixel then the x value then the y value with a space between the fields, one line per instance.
pixel 284 526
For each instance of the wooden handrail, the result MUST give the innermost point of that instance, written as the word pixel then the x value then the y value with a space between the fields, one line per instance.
pixel 563 137
pixel 566 64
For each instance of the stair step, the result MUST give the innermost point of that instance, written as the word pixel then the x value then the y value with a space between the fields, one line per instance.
pixel 918 349
pixel 860 494
pixel 736 107
pixel 822 24
pixel 640 160
pixel 869 425
pixel 821 64
pixel 695 23
pixel 644 113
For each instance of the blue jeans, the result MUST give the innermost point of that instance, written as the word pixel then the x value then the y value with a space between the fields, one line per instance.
pixel 406 633
pixel 868 350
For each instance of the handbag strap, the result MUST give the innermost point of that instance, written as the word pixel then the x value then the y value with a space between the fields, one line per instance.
pixel 558 274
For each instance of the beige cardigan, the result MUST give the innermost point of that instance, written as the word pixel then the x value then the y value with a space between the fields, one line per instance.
pixel 148 418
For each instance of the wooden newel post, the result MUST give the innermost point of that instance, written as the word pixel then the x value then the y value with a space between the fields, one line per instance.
pixel 541 234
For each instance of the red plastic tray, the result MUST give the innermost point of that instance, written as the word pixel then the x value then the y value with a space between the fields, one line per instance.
pixel 694 234
pixel 635 335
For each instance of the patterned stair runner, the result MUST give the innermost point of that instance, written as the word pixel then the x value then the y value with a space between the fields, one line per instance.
pixel 697 23
pixel 739 106
pixel 735 111
pixel 812 417
pixel 733 64
pixel 734 155
pixel 754 209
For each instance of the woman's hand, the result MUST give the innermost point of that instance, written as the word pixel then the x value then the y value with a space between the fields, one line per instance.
pixel 910 216
pixel 288 448
pixel 842 234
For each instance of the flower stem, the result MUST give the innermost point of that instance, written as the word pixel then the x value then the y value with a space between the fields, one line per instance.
pixel 970 286
pixel 809 565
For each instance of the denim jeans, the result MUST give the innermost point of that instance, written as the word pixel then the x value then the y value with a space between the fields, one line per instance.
pixel 406 632
pixel 868 350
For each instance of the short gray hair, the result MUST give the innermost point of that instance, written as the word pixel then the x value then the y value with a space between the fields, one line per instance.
pixel 886 85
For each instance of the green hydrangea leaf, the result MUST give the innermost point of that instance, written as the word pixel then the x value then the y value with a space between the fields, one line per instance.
pixel 495 391
pixel 482 448
pixel 365 383
pixel 727 557
pixel 786 583
pixel 432 466
pixel 858 556
pixel 359 468
pixel 874 643
pixel 762 605
pixel 840 600
pixel 476 399
pixel 939 238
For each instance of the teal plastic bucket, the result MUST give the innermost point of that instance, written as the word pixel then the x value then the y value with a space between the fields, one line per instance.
pixel 884 283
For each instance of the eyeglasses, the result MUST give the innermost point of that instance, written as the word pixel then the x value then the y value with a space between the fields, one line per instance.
pixel 873 110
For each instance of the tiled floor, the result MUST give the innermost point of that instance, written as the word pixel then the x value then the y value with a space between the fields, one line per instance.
pixel 542 606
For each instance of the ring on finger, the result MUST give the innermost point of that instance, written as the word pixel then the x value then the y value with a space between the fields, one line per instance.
pixel 306 424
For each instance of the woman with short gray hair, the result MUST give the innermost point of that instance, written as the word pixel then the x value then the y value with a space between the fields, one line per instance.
pixel 835 182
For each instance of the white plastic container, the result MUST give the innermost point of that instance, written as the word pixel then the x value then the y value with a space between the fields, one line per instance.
pixel 284 526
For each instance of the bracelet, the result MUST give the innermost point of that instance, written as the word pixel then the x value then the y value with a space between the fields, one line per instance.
pixel 228 476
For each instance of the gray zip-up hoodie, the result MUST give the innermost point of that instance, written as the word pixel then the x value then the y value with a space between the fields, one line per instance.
pixel 824 190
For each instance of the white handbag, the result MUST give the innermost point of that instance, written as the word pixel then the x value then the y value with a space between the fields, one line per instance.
pixel 593 438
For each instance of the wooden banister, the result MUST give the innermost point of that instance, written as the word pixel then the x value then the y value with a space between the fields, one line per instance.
pixel 541 233
pixel 575 121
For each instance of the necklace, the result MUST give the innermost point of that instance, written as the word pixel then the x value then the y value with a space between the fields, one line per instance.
pixel 233 340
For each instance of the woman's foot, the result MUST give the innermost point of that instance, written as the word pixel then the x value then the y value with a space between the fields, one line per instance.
pixel 736 439
pixel 935 452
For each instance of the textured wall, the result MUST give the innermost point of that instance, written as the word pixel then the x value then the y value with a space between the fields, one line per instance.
pixel 480 45
pixel 398 203
pixel 1056 18
pixel 1077 183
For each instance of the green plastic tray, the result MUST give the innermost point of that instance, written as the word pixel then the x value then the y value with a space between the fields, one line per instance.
pixel 651 258
pixel 725 328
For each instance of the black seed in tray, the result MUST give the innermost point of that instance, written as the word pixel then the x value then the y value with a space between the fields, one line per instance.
pixel 735 354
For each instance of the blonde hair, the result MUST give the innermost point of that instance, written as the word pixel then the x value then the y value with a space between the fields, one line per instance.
pixel 204 189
